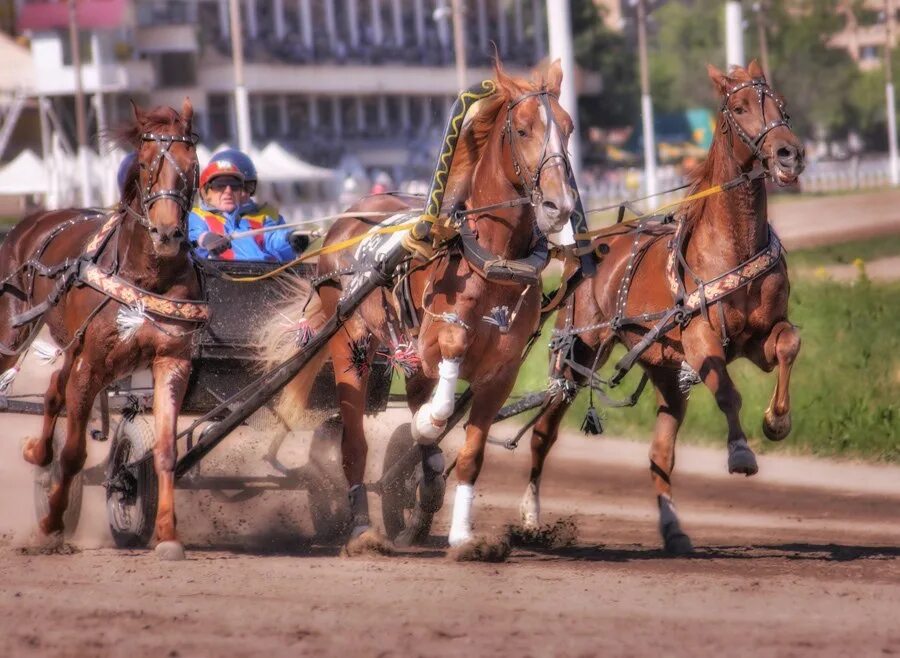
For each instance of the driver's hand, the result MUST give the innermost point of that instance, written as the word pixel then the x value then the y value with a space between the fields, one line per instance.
pixel 213 242
pixel 299 241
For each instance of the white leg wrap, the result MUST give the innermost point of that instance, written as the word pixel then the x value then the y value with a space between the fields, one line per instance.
pixel 530 509
pixel 461 526
pixel 429 421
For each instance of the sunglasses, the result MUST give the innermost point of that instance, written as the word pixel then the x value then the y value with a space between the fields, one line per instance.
pixel 219 184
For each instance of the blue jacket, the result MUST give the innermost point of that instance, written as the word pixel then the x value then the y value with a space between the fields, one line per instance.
pixel 273 246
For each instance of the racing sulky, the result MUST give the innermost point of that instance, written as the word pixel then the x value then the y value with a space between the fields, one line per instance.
pixel 688 293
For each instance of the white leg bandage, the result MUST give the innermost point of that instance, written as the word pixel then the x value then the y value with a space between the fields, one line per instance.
pixel 461 525
pixel 430 419
pixel 530 509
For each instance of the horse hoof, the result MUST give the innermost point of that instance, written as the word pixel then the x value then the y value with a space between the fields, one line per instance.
pixel 776 427
pixel 369 542
pixel 481 549
pixel 741 459
pixel 33 453
pixel 679 544
pixel 171 551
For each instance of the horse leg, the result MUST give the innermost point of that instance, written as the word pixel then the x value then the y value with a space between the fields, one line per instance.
pixel 170 380
pixel 705 354
pixel 351 391
pixel 82 387
pixel 543 436
pixel 39 450
pixel 486 402
pixel 669 415
pixel 782 347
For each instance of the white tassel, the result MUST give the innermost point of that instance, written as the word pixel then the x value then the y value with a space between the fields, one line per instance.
pixel 46 353
pixel 7 378
pixel 129 319
pixel 687 377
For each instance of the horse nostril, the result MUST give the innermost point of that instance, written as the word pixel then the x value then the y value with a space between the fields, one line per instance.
pixel 178 234
pixel 786 154
pixel 550 208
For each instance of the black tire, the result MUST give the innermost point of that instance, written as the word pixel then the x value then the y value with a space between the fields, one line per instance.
pixel 407 507
pixel 326 485
pixel 47 478
pixel 133 494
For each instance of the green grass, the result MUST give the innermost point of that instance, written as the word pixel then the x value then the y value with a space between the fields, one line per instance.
pixel 846 252
pixel 845 388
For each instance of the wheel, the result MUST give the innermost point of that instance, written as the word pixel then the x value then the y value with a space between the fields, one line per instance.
pixel 329 508
pixel 47 478
pixel 132 491
pixel 410 500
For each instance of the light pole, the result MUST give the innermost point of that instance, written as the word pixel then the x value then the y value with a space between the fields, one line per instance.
pixel 646 103
pixel 459 44
pixel 241 100
pixel 734 34
pixel 80 122
pixel 760 8
pixel 889 95
pixel 559 23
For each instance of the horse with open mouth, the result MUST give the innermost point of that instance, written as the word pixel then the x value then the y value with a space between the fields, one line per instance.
pixel 466 311
pixel 690 295
pixel 117 291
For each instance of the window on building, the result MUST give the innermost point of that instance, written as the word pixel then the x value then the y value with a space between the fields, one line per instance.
pixel 867 17
pixel 86 51
pixel 869 53
pixel 219 119
pixel 176 70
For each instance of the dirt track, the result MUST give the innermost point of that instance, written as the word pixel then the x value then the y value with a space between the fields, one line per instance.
pixel 787 565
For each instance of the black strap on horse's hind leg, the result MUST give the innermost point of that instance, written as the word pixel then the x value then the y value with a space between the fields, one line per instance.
pixel 655 468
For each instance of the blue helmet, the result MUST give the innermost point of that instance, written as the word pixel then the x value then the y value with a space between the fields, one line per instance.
pixel 243 162
pixel 124 167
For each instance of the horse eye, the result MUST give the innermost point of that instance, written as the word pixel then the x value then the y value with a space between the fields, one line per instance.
pixel 521 132
pixel 739 109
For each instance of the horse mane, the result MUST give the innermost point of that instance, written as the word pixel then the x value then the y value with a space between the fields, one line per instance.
pixel 477 129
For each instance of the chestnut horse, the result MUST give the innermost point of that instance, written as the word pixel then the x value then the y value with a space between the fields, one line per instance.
pixel 715 235
pixel 58 262
pixel 513 150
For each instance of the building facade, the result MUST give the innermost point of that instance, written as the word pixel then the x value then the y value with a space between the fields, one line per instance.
pixel 325 77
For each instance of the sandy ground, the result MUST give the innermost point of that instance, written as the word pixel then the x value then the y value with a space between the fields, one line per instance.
pixel 803 559
pixel 814 221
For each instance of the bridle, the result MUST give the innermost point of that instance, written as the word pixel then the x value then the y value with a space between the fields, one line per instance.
pixel 763 90
pixel 531 182
pixel 183 195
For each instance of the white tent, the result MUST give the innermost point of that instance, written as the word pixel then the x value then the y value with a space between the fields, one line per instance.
pixel 26 174
pixel 275 164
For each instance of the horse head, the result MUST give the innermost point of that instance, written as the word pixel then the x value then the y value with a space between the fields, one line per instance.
pixel 536 134
pixel 160 188
pixel 757 120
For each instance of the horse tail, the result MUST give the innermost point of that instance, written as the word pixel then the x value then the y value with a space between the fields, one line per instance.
pixel 299 314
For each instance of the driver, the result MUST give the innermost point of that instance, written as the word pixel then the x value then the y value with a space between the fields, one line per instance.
pixel 227 184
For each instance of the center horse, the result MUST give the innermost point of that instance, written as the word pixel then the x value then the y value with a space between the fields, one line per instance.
pixel 688 296
pixel 117 292
pixel 510 176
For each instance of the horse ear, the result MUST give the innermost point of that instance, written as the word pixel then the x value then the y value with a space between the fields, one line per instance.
pixel 554 77
pixel 755 70
pixel 504 81
pixel 138 112
pixel 719 79
pixel 187 112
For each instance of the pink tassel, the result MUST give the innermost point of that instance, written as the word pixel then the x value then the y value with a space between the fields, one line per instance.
pixel 405 358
